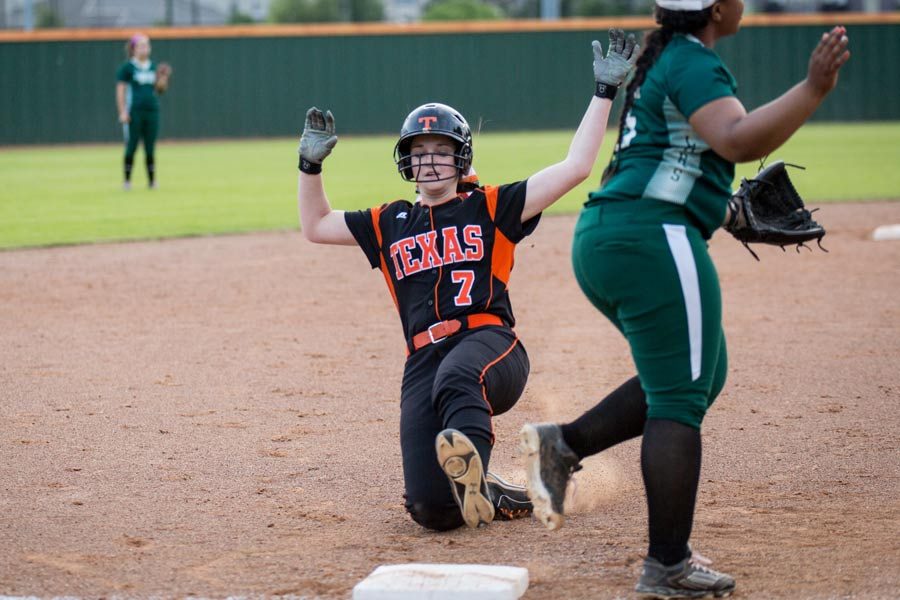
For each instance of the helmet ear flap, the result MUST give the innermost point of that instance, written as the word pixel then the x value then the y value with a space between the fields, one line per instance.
pixel 403 159
pixel 466 152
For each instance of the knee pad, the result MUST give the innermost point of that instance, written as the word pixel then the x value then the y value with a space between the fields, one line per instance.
pixel 438 518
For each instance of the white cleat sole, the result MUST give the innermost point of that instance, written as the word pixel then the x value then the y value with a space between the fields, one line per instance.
pixel 530 445
pixel 460 461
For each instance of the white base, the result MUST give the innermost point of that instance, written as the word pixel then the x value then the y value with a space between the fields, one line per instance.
pixel 886 232
pixel 442 582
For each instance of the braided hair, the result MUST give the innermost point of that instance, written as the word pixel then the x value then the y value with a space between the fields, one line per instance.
pixel 670 22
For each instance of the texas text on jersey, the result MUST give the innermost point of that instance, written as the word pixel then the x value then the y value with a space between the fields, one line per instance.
pixel 450 260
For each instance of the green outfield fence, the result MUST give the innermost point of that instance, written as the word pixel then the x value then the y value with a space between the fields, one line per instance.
pixel 57 86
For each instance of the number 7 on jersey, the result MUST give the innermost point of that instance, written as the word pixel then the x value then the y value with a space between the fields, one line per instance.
pixel 467 280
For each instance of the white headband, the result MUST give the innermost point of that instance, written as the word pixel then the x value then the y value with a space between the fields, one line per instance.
pixel 685 5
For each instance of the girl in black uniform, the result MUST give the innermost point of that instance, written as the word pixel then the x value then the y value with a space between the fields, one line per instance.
pixel 446 259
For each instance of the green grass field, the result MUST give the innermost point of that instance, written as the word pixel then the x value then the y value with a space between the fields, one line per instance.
pixel 72 194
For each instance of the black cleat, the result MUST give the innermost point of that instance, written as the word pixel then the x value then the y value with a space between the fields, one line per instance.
pixel 510 501
pixel 549 467
pixel 460 461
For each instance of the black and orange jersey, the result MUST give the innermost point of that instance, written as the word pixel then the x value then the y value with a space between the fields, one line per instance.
pixel 449 260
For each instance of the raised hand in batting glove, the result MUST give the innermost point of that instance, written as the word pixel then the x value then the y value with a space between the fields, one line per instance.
pixel 611 71
pixel 317 140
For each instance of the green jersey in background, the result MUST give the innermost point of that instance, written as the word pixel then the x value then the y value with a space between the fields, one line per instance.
pixel 141 80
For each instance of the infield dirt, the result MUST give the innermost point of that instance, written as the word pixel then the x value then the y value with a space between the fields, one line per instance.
pixel 218 417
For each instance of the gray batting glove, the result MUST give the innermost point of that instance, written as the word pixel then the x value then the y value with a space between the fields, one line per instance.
pixel 318 137
pixel 623 53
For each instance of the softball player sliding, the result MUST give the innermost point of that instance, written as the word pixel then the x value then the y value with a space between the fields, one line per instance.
pixel 138 81
pixel 640 256
pixel 446 259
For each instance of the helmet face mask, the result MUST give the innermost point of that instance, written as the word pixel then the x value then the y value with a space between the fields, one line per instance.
pixel 436 119
pixel 432 158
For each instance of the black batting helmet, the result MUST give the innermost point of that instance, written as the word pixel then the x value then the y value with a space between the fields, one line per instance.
pixel 438 119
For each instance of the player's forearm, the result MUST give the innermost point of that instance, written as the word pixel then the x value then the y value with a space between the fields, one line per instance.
pixel 320 224
pixel 549 185
pixel 576 167
pixel 768 127
pixel 588 138
pixel 312 204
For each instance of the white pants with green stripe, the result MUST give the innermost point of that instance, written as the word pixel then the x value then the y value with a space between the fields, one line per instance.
pixel 647 268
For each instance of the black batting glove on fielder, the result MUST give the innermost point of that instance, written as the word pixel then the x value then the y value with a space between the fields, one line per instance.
pixel 317 140
pixel 612 71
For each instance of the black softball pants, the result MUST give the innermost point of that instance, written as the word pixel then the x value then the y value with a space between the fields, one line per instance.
pixel 458 383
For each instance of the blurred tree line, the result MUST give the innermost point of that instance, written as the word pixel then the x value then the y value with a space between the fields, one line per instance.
pixel 319 11
pixel 324 11
pixel 48 13
pixel 531 9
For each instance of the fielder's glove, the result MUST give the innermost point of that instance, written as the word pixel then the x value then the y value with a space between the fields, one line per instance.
pixel 163 73
pixel 768 210
pixel 317 140
pixel 611 72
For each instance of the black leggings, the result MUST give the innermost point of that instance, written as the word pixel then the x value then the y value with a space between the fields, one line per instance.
pixel 459 383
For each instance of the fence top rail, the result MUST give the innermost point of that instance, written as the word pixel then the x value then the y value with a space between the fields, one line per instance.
pixel 444 27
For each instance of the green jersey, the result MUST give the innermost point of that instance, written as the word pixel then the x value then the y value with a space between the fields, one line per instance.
pixel 660 156
pixel 141 80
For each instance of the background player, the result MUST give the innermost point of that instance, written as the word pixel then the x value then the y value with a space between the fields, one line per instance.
pixel 640 255
pixel 447 259
pixel 138 81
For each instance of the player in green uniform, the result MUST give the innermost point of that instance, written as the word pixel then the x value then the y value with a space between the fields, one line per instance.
pixel 640 256
pixel 137 86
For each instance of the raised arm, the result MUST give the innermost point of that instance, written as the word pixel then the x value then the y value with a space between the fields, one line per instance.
pixel 318 222
pixel 550 184
pixel 740 137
